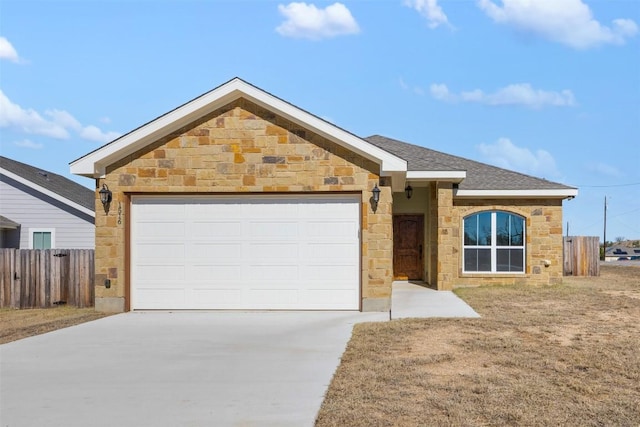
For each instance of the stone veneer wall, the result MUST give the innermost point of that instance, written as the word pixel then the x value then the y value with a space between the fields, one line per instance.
pixel 243 148
pixel 543 220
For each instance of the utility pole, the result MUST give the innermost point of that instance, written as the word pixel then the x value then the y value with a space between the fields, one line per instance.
pixel 604 251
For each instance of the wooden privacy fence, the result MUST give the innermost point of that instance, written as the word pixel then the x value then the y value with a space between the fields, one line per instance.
pixel 581 256
pixel 40 278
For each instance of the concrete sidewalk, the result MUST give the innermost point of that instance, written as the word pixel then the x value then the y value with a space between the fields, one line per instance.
pixel 176 369
pixel 413 300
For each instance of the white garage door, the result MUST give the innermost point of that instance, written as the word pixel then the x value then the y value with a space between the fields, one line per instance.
pixel 257 252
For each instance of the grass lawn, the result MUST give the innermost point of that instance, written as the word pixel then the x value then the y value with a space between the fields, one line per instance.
pixel 18 324
pixel 539 356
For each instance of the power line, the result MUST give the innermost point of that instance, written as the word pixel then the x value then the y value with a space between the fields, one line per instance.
pixel 608 186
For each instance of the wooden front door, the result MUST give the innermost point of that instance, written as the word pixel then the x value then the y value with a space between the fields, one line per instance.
pixel 408 241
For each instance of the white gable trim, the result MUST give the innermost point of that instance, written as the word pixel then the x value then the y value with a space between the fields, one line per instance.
pixel 94 164
pixel 49 193
pixel 517 194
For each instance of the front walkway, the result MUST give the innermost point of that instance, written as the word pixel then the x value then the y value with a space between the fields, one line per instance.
pixel 413 300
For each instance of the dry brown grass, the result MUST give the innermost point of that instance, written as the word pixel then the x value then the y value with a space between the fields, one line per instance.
pixel 18 324
pixel 540 356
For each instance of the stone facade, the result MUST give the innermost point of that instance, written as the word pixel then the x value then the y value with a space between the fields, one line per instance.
pixel 242 148
pixel 444 218
pixel 543 249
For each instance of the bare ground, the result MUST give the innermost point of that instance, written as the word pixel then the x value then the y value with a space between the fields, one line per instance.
pixel 18 324
pixel 539 356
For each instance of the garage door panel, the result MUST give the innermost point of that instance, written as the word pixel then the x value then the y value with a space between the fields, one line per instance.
pixel 204 230
pixel 246 252
pixel 159 251
pixel 268 230
pixel 214 209
pixel 155 230
pixel 214 273
pixel 273 252
pixel 219 250
pixel 324 252
pixel 330 273
pixel 329 230
pixel 160 297
pixel 272 272
pixel 160 271
pixel 206 297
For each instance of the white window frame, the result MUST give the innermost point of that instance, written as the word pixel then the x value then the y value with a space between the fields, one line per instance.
pixel 42 230
pixel 494 247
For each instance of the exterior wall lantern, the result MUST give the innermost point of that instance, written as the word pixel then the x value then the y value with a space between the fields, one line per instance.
pixel 376 194
pixel 375 198
pixel 105 197
pixel 408 190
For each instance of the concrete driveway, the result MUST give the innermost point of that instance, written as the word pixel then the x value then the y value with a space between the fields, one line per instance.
pixel 176 369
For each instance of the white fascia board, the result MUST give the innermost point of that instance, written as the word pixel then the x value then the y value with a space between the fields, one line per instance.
pixel 94 164
pixel 455 176
pixel 49 193
pixel 515 194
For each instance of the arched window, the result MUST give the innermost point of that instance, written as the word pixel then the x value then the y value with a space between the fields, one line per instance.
pixel 494 243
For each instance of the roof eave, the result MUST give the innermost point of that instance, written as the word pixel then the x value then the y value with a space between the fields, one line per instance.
pixel 94 164
pixel 455 176
pixel 560 193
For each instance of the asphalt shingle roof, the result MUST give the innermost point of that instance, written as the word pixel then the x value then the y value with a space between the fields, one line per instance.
pixel 480 176
pixel 55 183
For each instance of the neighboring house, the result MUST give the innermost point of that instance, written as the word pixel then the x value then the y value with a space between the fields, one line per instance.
pixel 240 200
pixel 622 253
pixel 42 210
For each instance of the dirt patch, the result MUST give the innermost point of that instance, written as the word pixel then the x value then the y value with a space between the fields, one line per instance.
pixel 18 324
pixel 552 355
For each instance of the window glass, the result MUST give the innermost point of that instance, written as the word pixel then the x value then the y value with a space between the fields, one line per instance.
pixel 509 260
pixel 502 234
pixel 471 230
pixel 484 229
pixel 517 231
pixel 41 240
pixel 477 259
pixel 503 229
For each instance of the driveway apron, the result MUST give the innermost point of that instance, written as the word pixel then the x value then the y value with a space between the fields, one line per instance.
pixel 176 369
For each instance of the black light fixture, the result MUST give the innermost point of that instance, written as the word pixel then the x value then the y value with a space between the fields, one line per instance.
pixel 376 194
pixel 408 190
pixel 105 196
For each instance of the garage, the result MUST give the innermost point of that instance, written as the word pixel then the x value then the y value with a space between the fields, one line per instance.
pixel 284 252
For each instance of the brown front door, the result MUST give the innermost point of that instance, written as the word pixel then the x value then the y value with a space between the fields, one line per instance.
pixel 408 239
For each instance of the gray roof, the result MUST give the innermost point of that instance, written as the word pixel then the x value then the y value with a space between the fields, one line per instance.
pixel 480 176
pixel 622 251
pixel 7 224
pixel 55 183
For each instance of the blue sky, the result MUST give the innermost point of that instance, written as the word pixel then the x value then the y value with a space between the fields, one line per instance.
pixel 549 88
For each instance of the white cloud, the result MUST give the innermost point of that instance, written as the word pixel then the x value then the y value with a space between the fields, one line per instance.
pixel 569 22
pixel 28 121
pixel 307 21
pixel 93 133
pixel 520 94
pixel 27 143
pixel 418 90
pixel 604 169
pixel 505 154
pixel 64 119
pixel 441 92
pixel 7 51
pixel 57 123
pixel 430 10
